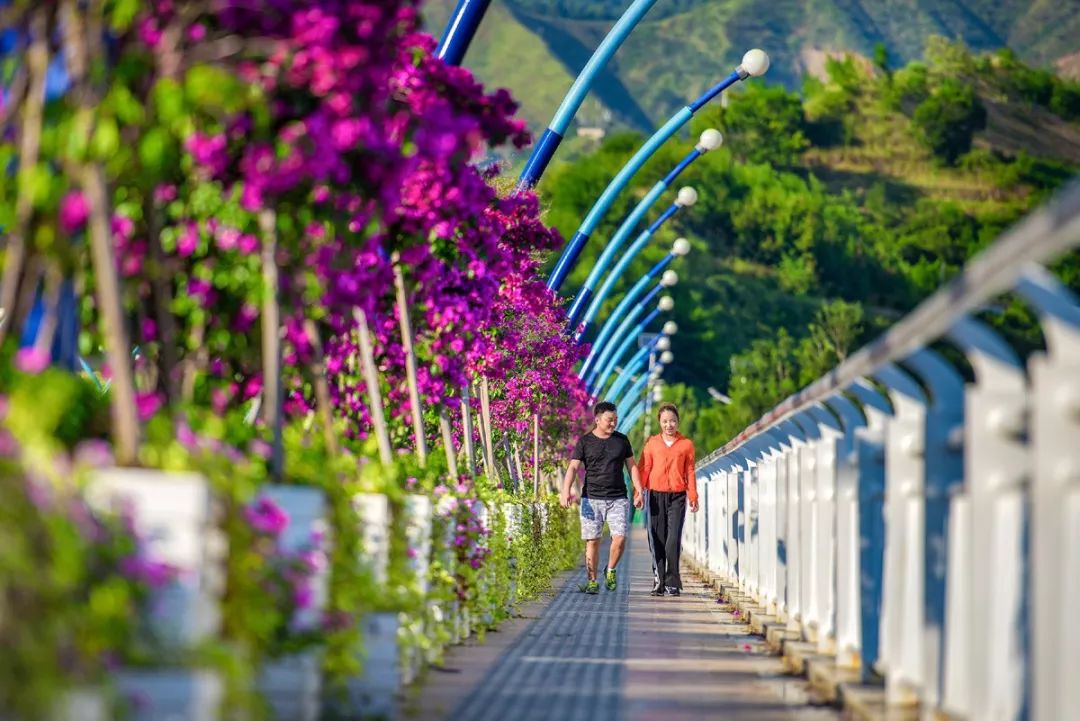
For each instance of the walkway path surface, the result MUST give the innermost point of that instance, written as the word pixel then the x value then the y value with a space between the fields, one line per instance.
pixel 618 656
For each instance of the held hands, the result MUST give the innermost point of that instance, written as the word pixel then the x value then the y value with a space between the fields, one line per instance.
pixel 639 500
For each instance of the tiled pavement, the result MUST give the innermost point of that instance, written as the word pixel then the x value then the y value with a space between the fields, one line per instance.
pixel 624 656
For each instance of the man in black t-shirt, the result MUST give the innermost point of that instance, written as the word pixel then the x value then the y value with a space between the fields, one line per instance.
pixel 604 452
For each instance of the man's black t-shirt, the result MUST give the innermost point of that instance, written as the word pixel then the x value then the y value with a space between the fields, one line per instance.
pixel 604 459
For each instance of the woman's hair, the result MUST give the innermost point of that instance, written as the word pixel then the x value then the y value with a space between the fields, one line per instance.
pixel 667 407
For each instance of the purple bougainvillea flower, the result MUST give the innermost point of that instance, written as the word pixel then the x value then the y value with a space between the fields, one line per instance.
pixel 266 516
pixel 74 210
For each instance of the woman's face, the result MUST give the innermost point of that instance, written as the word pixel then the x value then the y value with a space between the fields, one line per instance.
pixel 669 423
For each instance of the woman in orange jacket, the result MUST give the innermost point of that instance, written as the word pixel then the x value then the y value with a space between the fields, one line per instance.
pixel 667 474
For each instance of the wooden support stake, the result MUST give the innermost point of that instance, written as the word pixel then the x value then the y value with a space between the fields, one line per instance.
pixel 448 443
pixel 371 378
pixel 322 388
pixel 467 430
pixel 536 455
pixel 485 411
pixel 271 342
pixel 410 360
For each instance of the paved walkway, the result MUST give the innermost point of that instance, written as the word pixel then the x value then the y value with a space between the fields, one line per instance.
pixel 622 656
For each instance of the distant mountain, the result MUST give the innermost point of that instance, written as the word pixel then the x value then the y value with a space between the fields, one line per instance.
pixel 536 47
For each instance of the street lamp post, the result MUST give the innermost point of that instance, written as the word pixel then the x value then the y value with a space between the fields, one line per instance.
pixel 632 295
pixel 710 140
pixel 545 148
pixel 600 351
pixel 754 63
pixel 626 402
pixel 642 361
pixel 460 30
pixel 686 198
pixel 633 366
pixel 615 352
pixel 680 247
pixel 601 379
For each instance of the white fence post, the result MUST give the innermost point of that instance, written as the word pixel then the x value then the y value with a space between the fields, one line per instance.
pixel 870 523
pixel 1055 510
pixel 985 665
pixel 901 613
pixel 944 475
pixel 841 512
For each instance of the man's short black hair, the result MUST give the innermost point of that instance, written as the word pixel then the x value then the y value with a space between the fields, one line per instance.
pixel 603 407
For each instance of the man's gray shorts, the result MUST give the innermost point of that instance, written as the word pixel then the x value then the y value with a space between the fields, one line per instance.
pixel 594 511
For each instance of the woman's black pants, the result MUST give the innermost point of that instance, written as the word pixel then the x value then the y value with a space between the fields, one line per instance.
pixel 666 514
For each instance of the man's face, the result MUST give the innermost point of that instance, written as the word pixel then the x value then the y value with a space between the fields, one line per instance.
pixel 606 422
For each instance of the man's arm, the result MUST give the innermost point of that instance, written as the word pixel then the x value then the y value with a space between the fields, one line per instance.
pixel 568 482
pixel 635 478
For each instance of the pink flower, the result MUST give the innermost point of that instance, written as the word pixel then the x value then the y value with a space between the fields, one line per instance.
pixel 74 210
pixel 147 404
pixel 165 193
pixel 266 516
pixel 151 573
pixel 32 360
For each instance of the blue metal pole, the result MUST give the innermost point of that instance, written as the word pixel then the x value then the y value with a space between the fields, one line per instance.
pixel 632 368
pixel 625 426
pixel 628 300
pixel 624 404
pixel 544 150
pixel 634 218
pixel 624 263
pixel 460 30
pixel 570 254
pixel 586 292
pixel 599 353
pixel 602 371
pixel 592 361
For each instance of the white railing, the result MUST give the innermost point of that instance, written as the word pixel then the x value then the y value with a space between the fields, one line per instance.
pixel 923 528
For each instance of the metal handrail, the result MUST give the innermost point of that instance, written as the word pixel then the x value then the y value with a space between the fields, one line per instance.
pixel 1040 237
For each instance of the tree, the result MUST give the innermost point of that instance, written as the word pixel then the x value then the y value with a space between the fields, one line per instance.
pixel 949 119
pixel 764 124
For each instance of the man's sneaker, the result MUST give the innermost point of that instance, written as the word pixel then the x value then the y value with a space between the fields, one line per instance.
pixel 610 580
pixel 592 587
pixel 672 591
pixel 657 591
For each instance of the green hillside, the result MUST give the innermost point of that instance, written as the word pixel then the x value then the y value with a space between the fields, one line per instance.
pixel 682 47
pixel 830 213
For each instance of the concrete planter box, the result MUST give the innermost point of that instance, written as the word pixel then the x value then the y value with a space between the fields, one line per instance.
pixel 292 686
pixel 307 510
pixel 373 512
pixel 375 692
pixel 177 518
pixel 170 694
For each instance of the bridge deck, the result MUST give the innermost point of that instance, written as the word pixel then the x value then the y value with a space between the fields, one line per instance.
pixel 622 656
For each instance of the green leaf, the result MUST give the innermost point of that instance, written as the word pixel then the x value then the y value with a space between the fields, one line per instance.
pixel 157 152
pixel 123 13
pixel 168 100
pixel 106 140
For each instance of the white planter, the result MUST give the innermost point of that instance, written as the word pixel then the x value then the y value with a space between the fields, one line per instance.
pixel 373 510
pixel 418 510
pixel 176 516
pixel 171 694
pixel 374 692
pixel 292 686
pixel 80 704
pixel 307 510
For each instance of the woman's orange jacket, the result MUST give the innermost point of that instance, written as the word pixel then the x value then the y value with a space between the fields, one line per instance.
pixel 671 469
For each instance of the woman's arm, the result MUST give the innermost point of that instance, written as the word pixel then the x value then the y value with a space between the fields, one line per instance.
pixel 691 480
